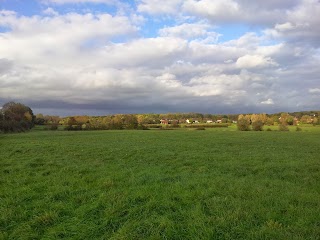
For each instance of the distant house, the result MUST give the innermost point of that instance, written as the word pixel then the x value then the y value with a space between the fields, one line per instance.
pixel 219 121
pixel 164 121
pixel 209 121
pixel 192 121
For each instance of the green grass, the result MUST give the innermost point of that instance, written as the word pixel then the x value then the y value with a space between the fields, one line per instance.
pixel 185 184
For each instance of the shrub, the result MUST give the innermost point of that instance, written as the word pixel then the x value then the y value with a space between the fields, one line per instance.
pixel 283 127
pixel 54 127
pixel 68 128
pixel 257 125
pixel 142 127
pixel 200 128
pixel 174 125
pixel 116 126
pixel 298 129
pixel 269 129
pixel 73 127
pixel 243 124
pixel 154 125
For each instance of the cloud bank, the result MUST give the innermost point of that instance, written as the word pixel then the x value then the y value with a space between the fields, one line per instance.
pixel 97 61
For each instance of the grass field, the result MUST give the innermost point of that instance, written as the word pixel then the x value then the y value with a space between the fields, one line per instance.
pixel 182 184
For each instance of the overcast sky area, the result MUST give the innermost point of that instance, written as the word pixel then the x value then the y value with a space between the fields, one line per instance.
pixel 99 57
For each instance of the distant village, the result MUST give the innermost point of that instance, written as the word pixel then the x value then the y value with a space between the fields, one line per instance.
pixel 191 121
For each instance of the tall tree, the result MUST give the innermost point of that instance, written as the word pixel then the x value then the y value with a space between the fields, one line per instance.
pixel 16 117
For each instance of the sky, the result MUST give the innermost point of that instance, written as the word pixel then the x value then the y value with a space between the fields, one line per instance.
pixel 99 57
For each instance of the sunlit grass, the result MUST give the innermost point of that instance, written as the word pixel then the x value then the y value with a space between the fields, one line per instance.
pixel 186 184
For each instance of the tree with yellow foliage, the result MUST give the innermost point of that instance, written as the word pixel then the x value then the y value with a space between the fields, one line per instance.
pixel 16 117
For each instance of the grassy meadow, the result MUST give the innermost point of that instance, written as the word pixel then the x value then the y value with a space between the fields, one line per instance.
pixel 180 184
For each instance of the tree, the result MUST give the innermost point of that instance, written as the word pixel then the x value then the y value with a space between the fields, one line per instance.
pixel 82 119
pixel 39 120
pixel 286 119
pixel 243 124
pixel 257 125
pixel 130 121
pixel 224 120
pixel 72 121
pixel 116 122
pixel 315 121
pixel 16 117
pixel 306 119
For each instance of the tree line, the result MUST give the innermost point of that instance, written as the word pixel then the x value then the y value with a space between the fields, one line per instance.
pixel 136 121
pixel 257 121
pixel 17 117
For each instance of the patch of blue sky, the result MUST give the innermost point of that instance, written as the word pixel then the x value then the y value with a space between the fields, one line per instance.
pixel 22 7
pixel 4 29
pixel 83 8
pixel 33 7
pixel 151 27
pixel 234 31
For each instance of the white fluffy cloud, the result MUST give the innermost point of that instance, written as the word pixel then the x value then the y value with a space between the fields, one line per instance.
pixel 34 39
pixel 254 61
pixel 191 31
pixel 240 11
pixel 223 10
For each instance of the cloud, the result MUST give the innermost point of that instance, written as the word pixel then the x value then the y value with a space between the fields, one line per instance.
pixel 268 102
pixel 254 61
pixel 5 65
pixel 300 25
pixel 222 10
pixel 105 63
pixel 240 11
pixel 191 31
pixel 33 39
pixel 50 11
pixel 314 90
pixel 185 30
pixel 248 40
pixel 157 7
pixel 150 52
